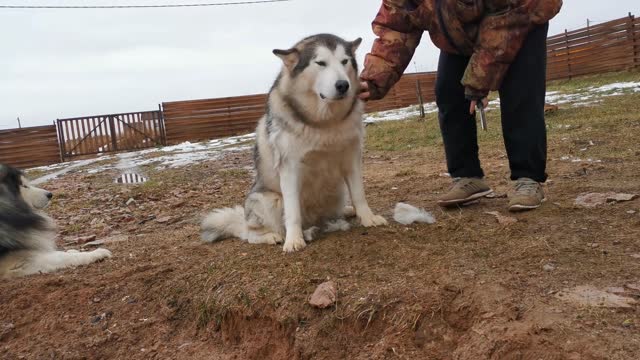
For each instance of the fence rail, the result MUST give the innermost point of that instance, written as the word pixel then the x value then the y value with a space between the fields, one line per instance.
pixel 605 47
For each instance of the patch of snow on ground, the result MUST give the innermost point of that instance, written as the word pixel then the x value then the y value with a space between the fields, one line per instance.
pixel 62 169
pixel 172 156
pixel 635 86
pixel 400 114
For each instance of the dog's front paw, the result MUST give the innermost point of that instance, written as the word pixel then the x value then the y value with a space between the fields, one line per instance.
pixel 294 243
pixel 373 220
pixel 272 239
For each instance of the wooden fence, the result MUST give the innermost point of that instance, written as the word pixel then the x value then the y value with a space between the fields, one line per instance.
pixel 605 47
pixel 100 134
pixel 212 118
pixel 28 147
pixel 195 120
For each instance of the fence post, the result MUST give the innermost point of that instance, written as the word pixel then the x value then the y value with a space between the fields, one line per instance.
pixel 420 99
pixel 112 129
pixel 633 36
pixel 630 39
pixel 566 43
pixel 61 142
pixel 163 134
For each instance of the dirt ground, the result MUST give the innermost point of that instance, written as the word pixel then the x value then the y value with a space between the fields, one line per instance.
pixel 463 288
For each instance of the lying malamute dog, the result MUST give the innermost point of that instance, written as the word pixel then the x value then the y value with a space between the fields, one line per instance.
pixel 27 235
pixel 308 152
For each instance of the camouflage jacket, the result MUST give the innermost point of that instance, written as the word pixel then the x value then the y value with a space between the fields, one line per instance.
pixel 491 32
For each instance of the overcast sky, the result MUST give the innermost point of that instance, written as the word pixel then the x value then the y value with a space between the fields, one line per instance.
pixel 67 63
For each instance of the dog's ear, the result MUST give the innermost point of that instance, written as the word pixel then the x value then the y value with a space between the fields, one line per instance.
pixel 289 57
pixel 7 172
pixel 355 44
pixel 10 177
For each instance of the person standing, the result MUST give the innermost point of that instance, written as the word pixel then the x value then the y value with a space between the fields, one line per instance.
pixel 485 45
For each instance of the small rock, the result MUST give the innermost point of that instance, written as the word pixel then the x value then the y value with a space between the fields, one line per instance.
pixel 635 286
pixel 502 220
pixel 549 267
pixel 593 245
pixel 617 242
pixel 627 323
pixel 324 296
pixel 147 219
pixel 488 315
pixel 469 273
pixel 163 220
pixel 620 197
pixel 96 299
pixel 130 201
pixel 615 290
pixel 631 212
pixel 81 240
pixel 636 256
pixel 96 243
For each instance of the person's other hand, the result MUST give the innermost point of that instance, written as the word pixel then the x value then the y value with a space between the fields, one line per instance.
pixel 474 103
pixel 364 91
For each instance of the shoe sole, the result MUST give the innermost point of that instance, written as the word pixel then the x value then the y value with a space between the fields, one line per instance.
pixel 476 196
pixel 520 208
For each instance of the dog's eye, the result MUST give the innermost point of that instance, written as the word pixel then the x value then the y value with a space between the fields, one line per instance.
pixel 321 63
pixel 345 61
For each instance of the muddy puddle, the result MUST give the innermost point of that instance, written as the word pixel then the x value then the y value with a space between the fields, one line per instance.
pixel 131 178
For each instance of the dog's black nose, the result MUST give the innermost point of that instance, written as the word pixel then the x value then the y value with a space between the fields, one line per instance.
pixel 49 196
pixel 342 86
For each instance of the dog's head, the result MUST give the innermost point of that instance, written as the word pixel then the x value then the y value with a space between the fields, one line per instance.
pixel 13 182
pixel 324 64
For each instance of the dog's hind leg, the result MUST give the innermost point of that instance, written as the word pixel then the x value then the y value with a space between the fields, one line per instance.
pixel 263 215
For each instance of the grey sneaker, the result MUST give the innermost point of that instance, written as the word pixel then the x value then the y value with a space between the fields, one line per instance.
pixel 528 195
pixel 464 190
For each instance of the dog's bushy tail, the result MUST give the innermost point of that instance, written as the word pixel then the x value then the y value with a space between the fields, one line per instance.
pixel 224 223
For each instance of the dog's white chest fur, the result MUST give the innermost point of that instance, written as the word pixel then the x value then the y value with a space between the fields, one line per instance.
pixel 322 158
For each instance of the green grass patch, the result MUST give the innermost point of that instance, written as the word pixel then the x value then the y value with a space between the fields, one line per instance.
pixel 589 123
pixel 568 86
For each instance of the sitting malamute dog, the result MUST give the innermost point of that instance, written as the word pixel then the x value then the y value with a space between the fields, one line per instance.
pixel 27 235
pixel 308 152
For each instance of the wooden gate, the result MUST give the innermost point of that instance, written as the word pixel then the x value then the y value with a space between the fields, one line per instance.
pixel 99 134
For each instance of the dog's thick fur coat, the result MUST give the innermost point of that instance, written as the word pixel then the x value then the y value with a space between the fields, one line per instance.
pixel 308 154
pixel 27 234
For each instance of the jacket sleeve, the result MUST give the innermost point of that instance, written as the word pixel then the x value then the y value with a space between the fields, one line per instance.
pixel 397 39
pixel 500 38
